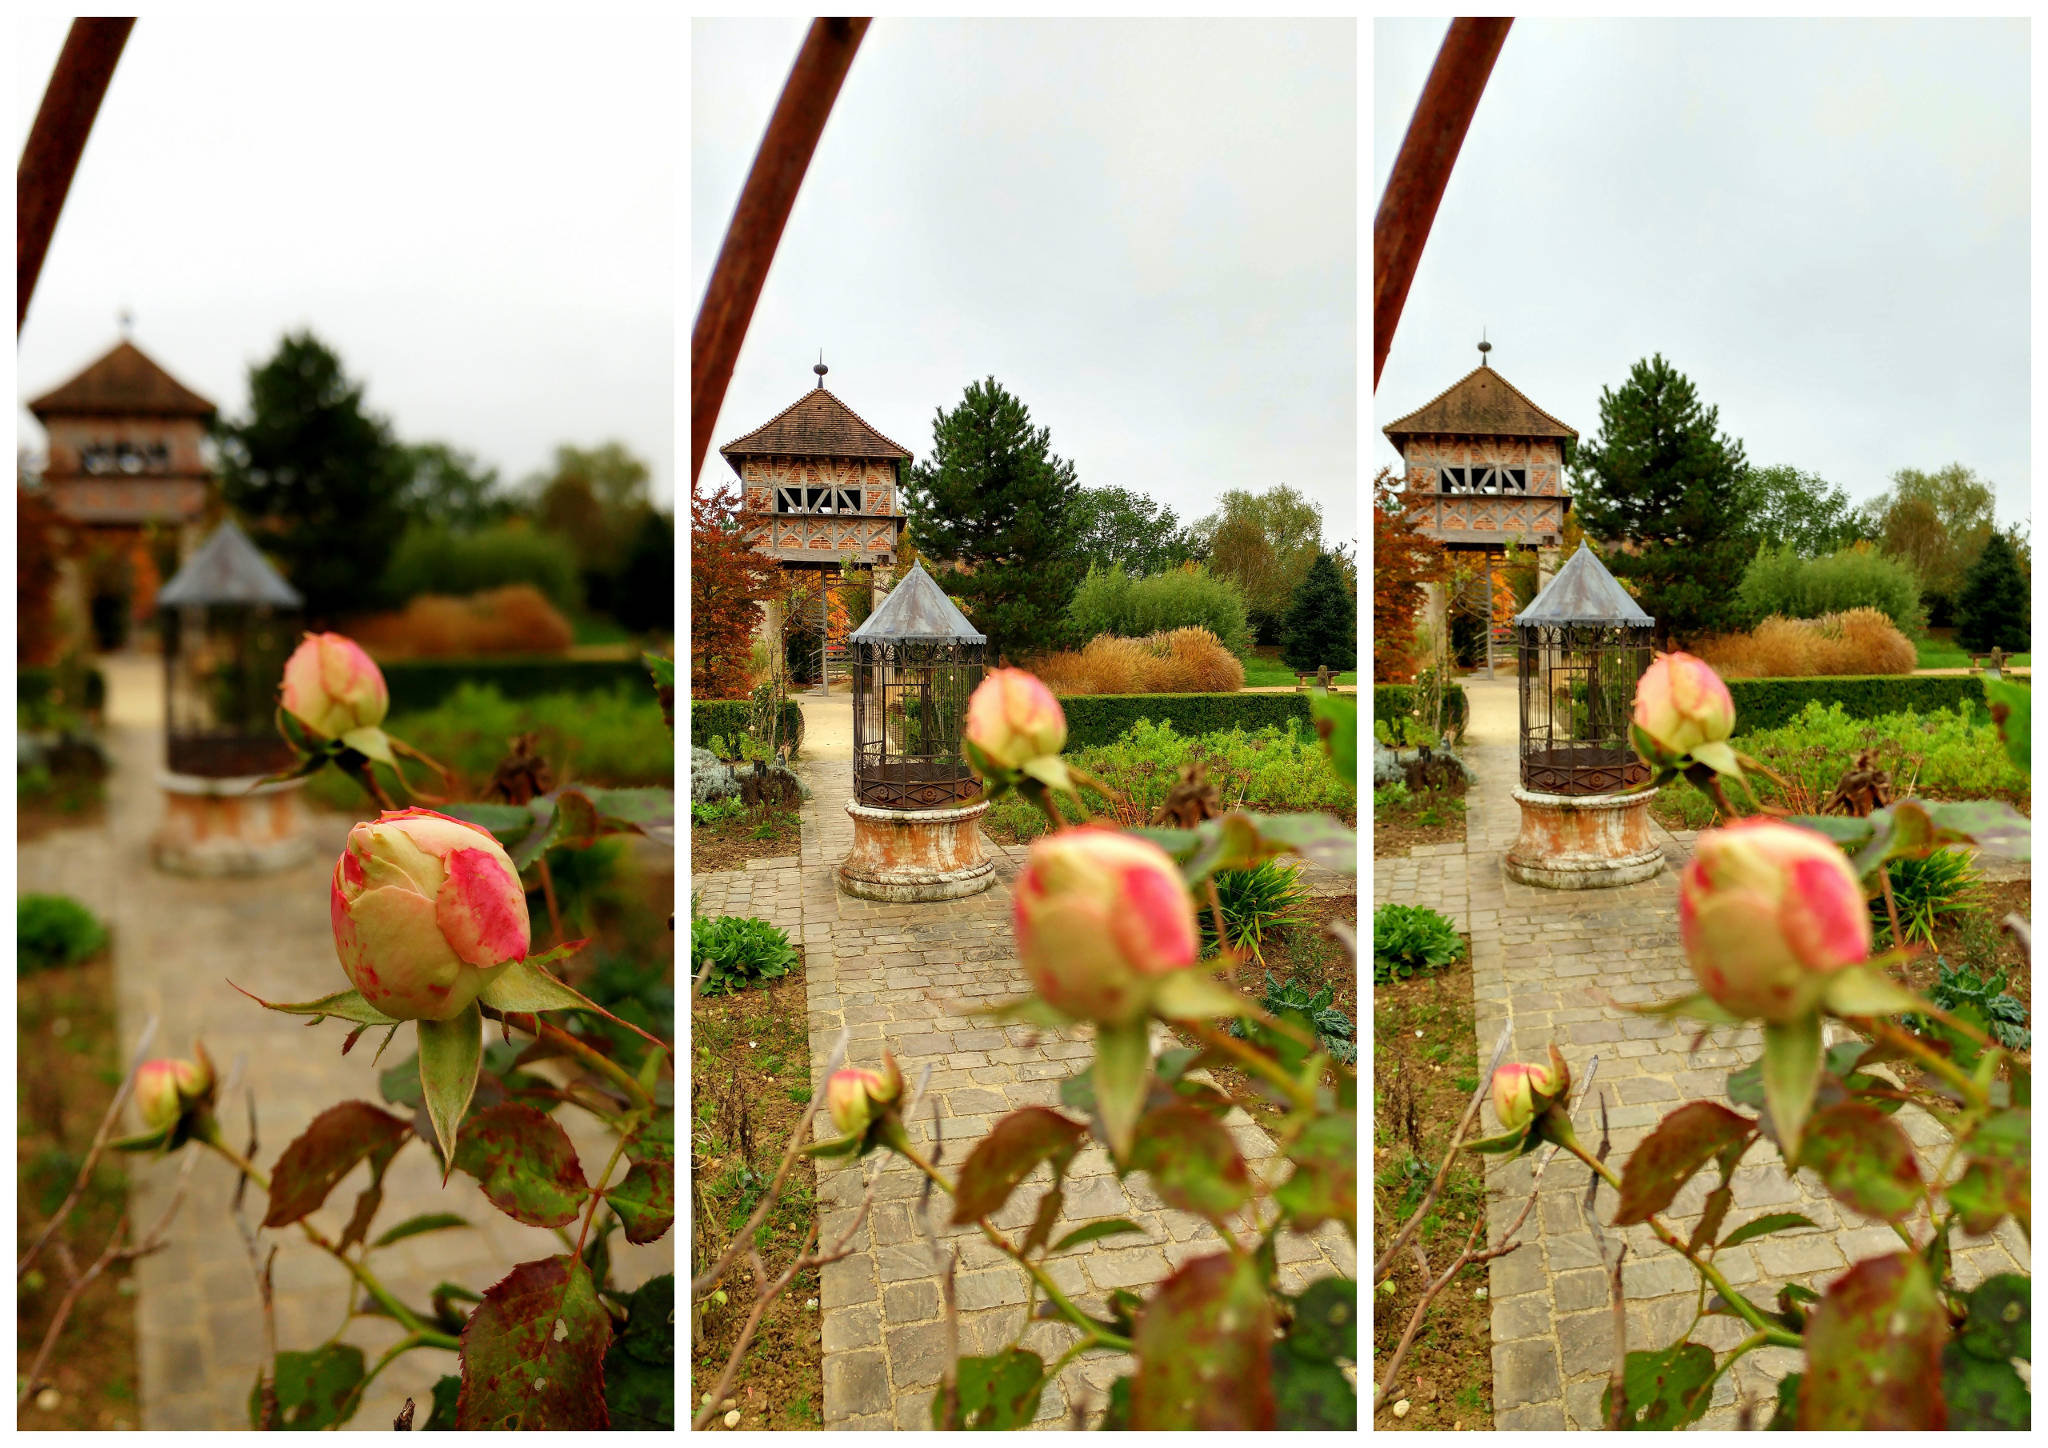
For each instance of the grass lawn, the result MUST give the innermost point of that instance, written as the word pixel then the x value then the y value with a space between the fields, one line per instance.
pixel 1946 653
pixel 1264 669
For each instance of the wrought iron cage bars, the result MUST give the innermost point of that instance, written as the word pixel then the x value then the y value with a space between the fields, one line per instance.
pixel 221 667
pixel 1577 685
pixel 909 707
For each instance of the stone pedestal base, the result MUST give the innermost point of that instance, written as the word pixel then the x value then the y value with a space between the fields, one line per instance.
pixel 230 826
pixel 1584 842
pixel 908 855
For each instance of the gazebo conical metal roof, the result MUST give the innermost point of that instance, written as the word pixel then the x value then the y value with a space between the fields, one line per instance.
pixel 227 571
pixel 1583 594
pixel 917 611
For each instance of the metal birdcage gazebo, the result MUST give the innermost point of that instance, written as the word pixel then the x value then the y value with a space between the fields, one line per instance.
pixel 916 814
pixel 1581 646
pixel 916 659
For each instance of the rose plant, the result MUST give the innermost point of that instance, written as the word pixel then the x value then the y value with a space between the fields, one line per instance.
pixel 1774 921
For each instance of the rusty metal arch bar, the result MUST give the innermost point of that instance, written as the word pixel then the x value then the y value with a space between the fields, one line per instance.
pixel 85 67
pixel 757 222
pixel 1415 187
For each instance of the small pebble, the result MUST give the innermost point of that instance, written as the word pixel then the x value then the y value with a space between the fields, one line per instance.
pixel 61 1026
pixel 729 1404
pixel 49 1400
pixel 810 1304
pixel 732 1419
pixel 1480 1293
pixel 1401 1408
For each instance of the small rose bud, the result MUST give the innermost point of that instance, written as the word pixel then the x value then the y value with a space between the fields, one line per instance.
pixel 855 1097
pixel 1767 911
pixel 1521 1090
pixel 427 911
pixel 1012 718
pixel 165 1087
pixel 1681 704
pixel 1099 914
pixel 331 686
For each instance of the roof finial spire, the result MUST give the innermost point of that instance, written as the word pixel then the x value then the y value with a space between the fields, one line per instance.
pixel 1484 347
pixel 821 369
pixel 126 318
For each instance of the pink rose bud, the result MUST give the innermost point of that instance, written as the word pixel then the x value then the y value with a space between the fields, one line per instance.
pixel 1520 1090
pixel 1681 704
pixel 856 1097
pixel 427 911
pixel 1767 911
pixel 1099 914
pixel 331 686
pixel 164 1088
pixel 1013 719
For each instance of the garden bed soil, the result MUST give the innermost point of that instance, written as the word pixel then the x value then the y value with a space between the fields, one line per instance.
pixel 69 1066
pixel 729 844
pixel 1998 900
pixel 1425 1069
pixel 37 817
pixel 750 1083
pixel 1424 820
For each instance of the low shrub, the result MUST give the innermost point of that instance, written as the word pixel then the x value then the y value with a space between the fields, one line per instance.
pixel 1393 701
pixel 516 619
pixel 1772 703
pixel 421 684
pixel 1181 661
pixel 1334 1030
pixel 1257 903
pixel 1110 601
pixel 54 931
pixel 1963 991
pixel 1409 940
pixel 1778 581
pixel 1097 719
pixel 728 719
pixel 439 560
pixel 1861 641
pixel 741 951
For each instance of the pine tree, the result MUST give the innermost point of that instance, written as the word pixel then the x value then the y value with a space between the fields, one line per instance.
pixel 1992 609
pixel 1662 478
pixel 994 502
pixel 1322 621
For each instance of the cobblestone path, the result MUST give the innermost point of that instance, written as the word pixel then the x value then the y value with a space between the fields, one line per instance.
pixel 908 977
pixel 177 942
pixel 1555 964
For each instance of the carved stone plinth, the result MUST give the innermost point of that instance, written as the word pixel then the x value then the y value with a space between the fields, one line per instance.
pixel 230 826
pixel 1584 842
pixel 908 855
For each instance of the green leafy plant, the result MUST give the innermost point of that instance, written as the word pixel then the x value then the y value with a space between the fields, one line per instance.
pixel 53 931
pixel 741 952
pixel 1410 940
pixel 1256 903
pixel 1312 1008
pixel 1960 989
pixel 1926 888
pixel 1391 796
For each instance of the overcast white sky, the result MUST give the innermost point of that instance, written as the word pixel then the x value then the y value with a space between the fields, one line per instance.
pixel 1147 231
pixel 479 217
pixel 1823 223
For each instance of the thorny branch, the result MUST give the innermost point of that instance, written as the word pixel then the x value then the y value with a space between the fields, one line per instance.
pixel 1386 1262
pixel 92 1156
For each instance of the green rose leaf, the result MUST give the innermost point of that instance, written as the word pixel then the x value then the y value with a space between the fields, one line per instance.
pixel 1683 1142
pixel 1192 1160
pixel 1204 1354
pixel 2000 1321
pixel 1864 1158
pixel 1095 1232
pixel 639 1371
pixel 1319 838
pixel 312 1387
pixel 1981 1395
pixel 645 1198
pixel 1336 719
pixel 1325 1326
pixel 451 1053
pixel 1665 1390
pixel 649 811
pixel 1855 991
pixel 1000 1392
pixel 418 1226
pixel 1308 1393
pixel 1874 1347
pixel 533 1351
pixel 441 1417
pixel 1763 1226
pixel 328 1150
pixel 523 987
pixel 2012 710
pixel 1324 1182
pixel 1791 1072
pixel 525 1164
pixel 1998 1180
pixel 1194 994
pixel 344 1005
pixel 508 823
pixel 1123 1068
pixel 1010 1152
pixel 1992 825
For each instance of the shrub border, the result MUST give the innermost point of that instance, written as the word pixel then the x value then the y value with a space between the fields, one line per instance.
pixel 419 684
pixel 711 717
pixel 1097 719
pixel 1394 701
pixel 1774 703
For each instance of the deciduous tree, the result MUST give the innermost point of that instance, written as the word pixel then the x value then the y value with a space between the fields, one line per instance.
pixel 1786 507
pixel 1937 522
pixel 1122 529
pixel 729 580
pixel 1265 543
pixel 1404 559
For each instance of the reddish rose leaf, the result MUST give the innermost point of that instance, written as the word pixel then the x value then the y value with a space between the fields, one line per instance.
pixel 1324 1183
pixel 1683 1142
pixel 327 1151
pixel 1192 1161
pixel 1009 1153
pixel 525 1164
pixel 645 1198
pixel 1873 1349
pixel 1864 1159
pixel 1204 1348
pixel 1998 1180
pixel 533 1351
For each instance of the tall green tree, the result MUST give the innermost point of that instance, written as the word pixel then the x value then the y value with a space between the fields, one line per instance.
pixel 598 499
pixel 993 500
pixel 1785 507
pixel 1938 522
pixel 1265 543
pixel 1663 478
pixel 452 489
pixel 1122 529
pixel 320 479
pixel 1322 621
pixel 1992 607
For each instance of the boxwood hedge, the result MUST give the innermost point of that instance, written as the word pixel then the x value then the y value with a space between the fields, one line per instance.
pixel 728 717
pixel 420 684
pixel 1773 703
pixel 1392 701
pixel 1094 719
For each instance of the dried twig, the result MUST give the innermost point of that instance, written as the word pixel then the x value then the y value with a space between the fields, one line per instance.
pixel 92 1156
pixel 403 1422
pixel 1386 1262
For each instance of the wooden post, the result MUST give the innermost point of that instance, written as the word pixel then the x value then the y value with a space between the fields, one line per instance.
pixel 1486 576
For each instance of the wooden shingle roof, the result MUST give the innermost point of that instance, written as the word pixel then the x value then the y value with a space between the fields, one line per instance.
pixel 124 383
pixel 1482 403
pixel 816 425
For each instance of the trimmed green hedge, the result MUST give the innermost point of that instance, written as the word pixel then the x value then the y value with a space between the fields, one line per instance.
pixel 1394 701
pixel 37 685
pixel 727 717
pixel 1774 703
pixel 420 684
pixel 1096 719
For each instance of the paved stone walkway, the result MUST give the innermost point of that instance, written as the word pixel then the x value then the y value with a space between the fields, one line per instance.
pixel 1555 964
pixel 907 977
pixel 177 942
